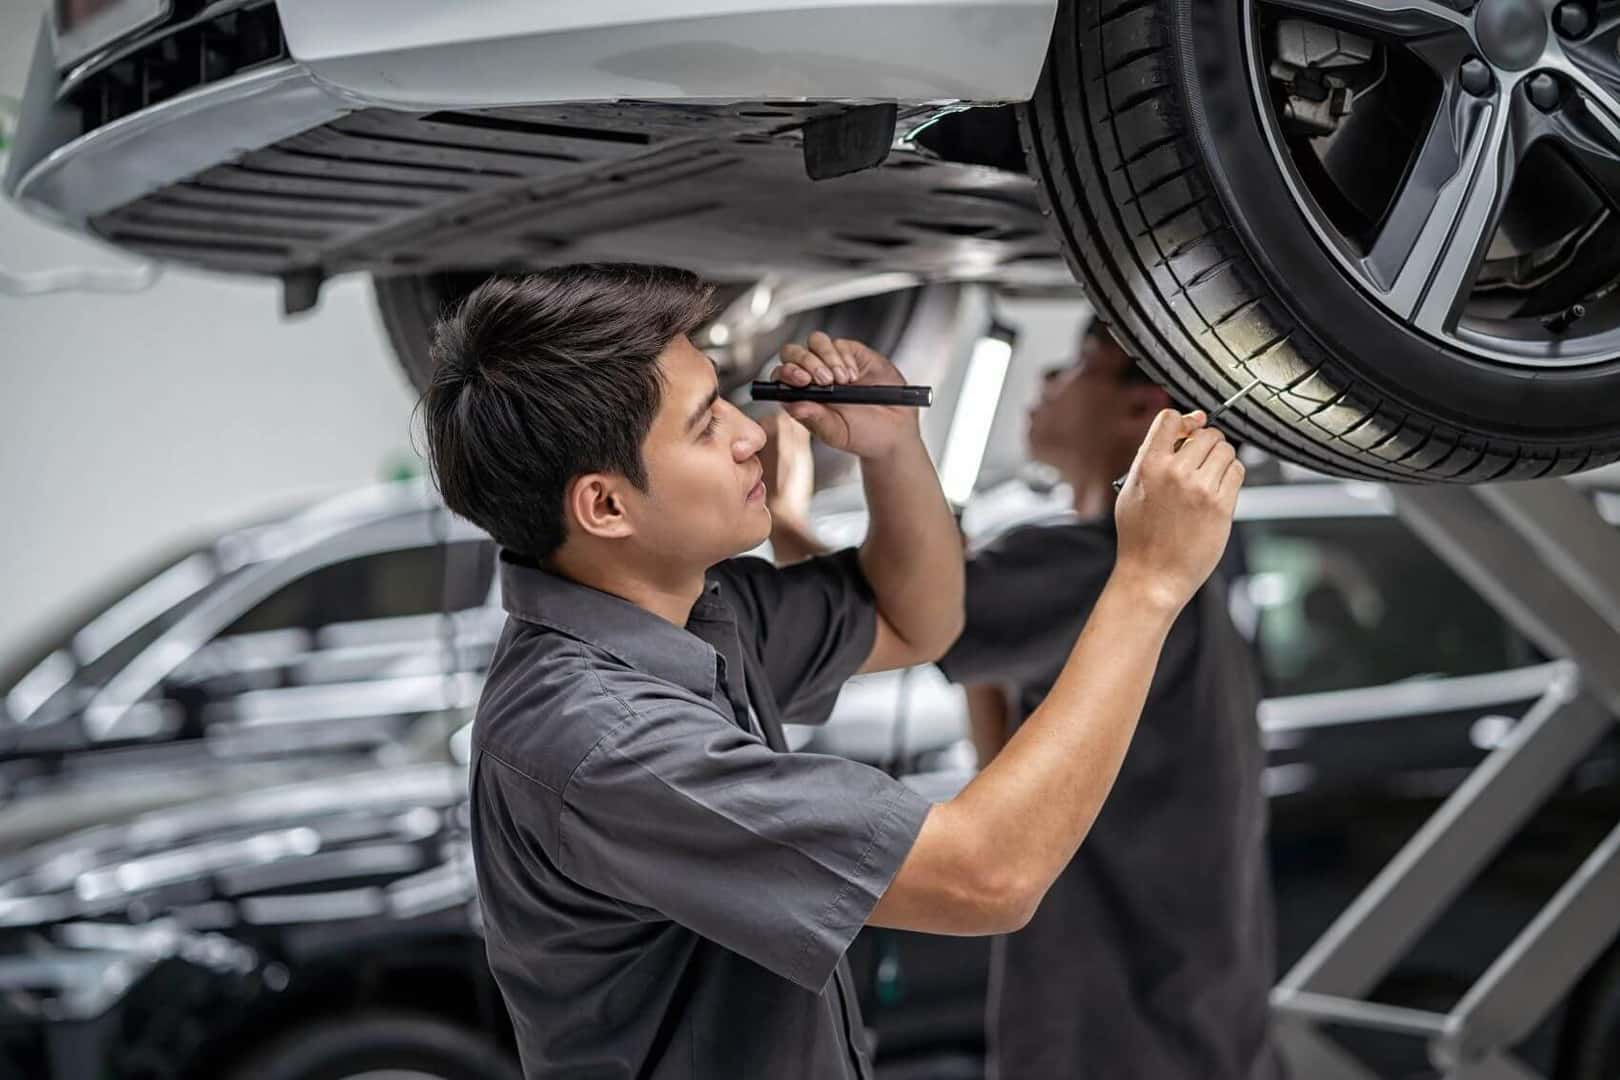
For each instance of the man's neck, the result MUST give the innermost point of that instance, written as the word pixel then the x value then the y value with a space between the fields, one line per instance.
pixel 1093 492
pixel 670 597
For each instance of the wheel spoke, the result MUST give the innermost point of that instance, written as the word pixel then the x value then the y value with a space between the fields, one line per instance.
pixel 1404 18
pixel 1436 233
pixel 1591 142
pixel 1593 66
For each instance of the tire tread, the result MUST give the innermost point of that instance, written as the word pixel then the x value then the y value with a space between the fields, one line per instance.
pixel 1144 232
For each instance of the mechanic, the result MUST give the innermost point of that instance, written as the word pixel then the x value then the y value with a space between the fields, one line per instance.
pixel 666 890
pixel 1151 955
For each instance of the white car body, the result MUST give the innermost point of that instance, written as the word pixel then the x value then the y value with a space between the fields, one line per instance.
pixel 425 54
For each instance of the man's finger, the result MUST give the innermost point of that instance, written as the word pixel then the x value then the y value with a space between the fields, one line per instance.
pixel 849 358
pixel 1213 470
pixel 861 358
pixel 1196 450
pixel 800 356
pixel 807 359
pixel 845 369
pixel 1163 433
pixel 1169 427
pixel 1231 484
pixel 1160 440
pixel 822 345
pixel 794 374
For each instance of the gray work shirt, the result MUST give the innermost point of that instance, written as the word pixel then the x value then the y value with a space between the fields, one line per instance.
pixel 1151 956
pixel 667 891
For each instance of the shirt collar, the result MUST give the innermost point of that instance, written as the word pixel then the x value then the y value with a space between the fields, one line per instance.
pixel 632 634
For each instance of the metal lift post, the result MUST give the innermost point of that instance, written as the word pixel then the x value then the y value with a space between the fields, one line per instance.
pixel 1545 558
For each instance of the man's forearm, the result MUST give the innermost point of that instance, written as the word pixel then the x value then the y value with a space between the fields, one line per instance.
pixel 912 556
pixel 982 861
pixel 1035 801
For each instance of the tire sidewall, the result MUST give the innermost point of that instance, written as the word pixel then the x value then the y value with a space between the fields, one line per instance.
pixel 1590 1047
pixel 337 1049
pixel 1534 405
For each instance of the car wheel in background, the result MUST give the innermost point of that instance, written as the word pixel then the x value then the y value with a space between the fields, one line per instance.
pixel 1399 217
pixel 1590 1047
pixel 384 1044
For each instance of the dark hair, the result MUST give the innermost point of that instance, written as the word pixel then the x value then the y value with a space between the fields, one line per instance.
pixel 540 379
pixel 1131 372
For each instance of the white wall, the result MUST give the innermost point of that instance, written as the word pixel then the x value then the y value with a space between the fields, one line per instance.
pixel 130 422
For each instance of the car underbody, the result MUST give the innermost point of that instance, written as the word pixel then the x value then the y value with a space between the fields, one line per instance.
pixel 721 189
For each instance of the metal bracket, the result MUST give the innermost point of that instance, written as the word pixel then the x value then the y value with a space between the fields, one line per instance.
pixel 849 142
pixel 1544 557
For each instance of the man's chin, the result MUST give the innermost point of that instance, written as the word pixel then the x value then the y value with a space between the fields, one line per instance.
pixel 756 531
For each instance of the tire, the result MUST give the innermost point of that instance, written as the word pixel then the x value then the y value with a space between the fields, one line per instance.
pixel 378 1043
pixel 409 305
pixel 1174 213
pixel 1590 1043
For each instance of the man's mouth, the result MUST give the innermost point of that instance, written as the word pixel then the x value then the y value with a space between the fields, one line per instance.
pixel 757 492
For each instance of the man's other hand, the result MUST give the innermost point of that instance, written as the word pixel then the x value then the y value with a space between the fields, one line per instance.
pixel 1174 513
pixel 790 469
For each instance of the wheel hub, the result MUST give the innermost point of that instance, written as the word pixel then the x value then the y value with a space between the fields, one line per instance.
pixel 1511 33
pixel 1489 220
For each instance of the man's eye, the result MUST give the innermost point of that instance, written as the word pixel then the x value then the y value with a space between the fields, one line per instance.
pixel 712 426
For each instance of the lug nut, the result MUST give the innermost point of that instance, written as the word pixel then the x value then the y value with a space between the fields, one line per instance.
pixel 1571 19
pixel 1544 91
pixel 1475 75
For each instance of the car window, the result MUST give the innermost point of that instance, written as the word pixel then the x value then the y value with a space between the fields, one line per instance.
pixel 388 584
pixel 1346 602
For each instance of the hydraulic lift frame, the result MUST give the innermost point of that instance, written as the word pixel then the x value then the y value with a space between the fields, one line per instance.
pixel 1543 556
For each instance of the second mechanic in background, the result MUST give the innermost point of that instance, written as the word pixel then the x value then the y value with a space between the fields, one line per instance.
pixel 1152 956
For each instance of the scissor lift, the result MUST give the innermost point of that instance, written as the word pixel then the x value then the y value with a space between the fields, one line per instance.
pixel 1544 557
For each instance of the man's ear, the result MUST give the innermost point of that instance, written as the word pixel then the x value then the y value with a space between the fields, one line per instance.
pixel 595 504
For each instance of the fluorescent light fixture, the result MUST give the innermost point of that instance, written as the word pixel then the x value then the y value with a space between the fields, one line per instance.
pixel 975 412
pixel 759 303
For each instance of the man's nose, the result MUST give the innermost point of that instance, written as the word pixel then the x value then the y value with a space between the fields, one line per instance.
pixel 750 441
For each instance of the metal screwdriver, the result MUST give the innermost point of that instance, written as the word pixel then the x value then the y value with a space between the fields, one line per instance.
pixel 1219 409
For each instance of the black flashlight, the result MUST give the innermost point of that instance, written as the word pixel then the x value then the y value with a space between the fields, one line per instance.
pixel 917 397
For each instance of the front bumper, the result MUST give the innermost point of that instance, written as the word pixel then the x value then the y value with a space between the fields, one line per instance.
pixel 178 99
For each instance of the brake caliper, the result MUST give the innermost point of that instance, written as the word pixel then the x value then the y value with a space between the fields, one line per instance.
pixel 1311 66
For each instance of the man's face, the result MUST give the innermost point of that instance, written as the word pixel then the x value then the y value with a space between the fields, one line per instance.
pixel 706 495
pixel 1088 414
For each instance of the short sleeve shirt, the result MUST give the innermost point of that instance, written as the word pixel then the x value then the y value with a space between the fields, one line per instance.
pixel 667 891
pixel 1151 956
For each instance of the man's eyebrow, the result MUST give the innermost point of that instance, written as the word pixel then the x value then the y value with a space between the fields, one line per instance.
pixel 697 414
